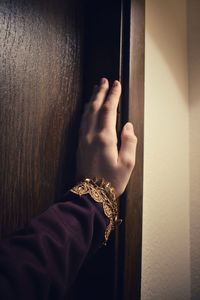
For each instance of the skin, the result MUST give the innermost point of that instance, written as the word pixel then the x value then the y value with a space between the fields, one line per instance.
pixel 97 153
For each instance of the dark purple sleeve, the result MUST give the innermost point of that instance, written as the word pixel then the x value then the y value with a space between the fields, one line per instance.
pixel 42 260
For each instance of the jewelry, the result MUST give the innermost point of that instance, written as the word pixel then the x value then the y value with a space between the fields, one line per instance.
pixel 102 192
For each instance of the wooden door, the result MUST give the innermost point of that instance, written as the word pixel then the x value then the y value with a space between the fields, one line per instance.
pixel 51 54
pixel 40 90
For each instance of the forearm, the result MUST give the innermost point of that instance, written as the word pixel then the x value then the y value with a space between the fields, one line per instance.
pixel 42 260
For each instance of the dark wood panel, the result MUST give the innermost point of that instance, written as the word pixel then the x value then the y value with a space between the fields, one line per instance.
pixel 133 79
pixel 40 63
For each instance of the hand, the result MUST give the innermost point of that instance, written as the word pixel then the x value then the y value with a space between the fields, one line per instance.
pixel 97 154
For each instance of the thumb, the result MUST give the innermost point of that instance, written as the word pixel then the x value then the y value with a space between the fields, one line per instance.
pixel 127 153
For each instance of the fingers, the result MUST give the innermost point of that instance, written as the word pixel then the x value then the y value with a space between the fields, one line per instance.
pixel 127 153
pixel 101 112
pixel 100 94
pixel 108 112
pixel 90 116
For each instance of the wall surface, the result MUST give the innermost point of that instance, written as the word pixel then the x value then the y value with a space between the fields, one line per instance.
pixel 166 248
pixel 194 99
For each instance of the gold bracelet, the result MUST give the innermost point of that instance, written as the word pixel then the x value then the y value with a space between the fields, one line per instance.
pixel 102 192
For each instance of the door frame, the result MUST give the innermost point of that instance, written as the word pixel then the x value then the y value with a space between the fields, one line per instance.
pixel 114 43
pixel 132 109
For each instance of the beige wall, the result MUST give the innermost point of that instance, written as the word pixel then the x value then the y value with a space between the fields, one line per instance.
pixel 194 99
pixel 166 247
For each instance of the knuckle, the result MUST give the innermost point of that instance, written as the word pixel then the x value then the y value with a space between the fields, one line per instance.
pixel 135 138
pixel 129 162
pixel 107 107
pixel 131 138
pixel 114 92
pixel 94 106
pixel 105 138
pixel 101 138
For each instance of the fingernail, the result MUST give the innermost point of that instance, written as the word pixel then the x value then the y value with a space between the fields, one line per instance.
pixel 115 83
pixel 103 80
pixel 129 127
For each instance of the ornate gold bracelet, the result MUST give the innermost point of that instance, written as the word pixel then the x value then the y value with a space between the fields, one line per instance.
pixel 102 192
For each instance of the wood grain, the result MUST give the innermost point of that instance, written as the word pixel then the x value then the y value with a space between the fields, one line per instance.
pixel 40 80
pixel 135 113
